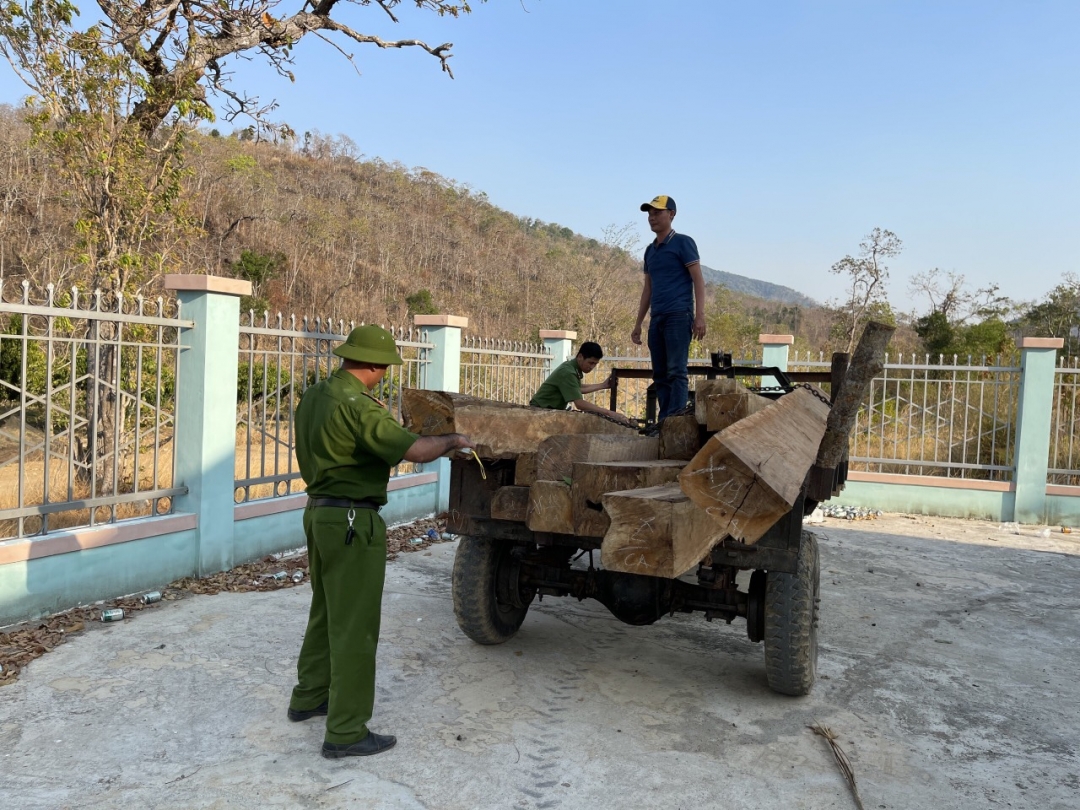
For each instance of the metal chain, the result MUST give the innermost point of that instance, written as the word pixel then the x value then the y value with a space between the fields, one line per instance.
pixel 816 392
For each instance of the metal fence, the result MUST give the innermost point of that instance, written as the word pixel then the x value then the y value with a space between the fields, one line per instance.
pixel 944 418
pixel 278 361
pixel 1064 468
pixel 505 370
pixel 87 405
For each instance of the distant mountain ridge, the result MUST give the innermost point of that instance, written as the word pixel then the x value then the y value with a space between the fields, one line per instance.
pixel 756 287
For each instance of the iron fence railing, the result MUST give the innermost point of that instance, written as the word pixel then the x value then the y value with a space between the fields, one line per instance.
pixel 87 407
pixel 504 370
pixel 278 361
pixel 946 418
pixel 1064 468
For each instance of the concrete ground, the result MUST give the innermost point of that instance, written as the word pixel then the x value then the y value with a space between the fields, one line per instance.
pixel 948 669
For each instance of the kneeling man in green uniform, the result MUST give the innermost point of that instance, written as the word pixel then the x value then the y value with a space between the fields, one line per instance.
pixel 346 443
pixel 563 386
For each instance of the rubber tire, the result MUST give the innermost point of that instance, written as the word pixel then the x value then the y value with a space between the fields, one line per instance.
pixel 791 623
pixel 479 613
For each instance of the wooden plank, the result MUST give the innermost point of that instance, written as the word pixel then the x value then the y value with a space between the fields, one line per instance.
pixel 656 531
pixel 510 503
pixel 707 388
pixel 498 429
pixel 592 480
pixel 550 508
pixel 556 456
pixel 680 437
pixel 723 410
pixel 525 469
pixel 748 476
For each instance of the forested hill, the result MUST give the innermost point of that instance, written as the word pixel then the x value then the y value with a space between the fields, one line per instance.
pixel 757 288
pixel 321 230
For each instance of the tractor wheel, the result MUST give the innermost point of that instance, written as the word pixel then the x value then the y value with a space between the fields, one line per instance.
pixel 488 602
pixel 791 623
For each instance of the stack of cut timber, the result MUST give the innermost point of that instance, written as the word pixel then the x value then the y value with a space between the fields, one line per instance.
pixel 749 475
pixel 592 480
pixel 680 437
pixel 498 429
pixel 556 456
pixel 656 531
pixel 708 388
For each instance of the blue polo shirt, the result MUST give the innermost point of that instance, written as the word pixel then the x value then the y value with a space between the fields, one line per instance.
pixel 666 263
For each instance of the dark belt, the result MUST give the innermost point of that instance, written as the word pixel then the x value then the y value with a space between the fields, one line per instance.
pixel 344 503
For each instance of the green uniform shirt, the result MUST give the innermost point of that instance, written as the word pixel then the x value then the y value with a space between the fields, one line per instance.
pixel 562 387
pixel 346 441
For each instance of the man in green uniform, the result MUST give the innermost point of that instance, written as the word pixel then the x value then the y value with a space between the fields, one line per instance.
pixel 563 386
pixel 346 443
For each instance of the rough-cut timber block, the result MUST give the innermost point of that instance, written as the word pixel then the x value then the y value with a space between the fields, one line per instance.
pixel 707 388
pixel 550 508
pixel 656 531
pixel 556 456
pixel 680 437
pixel 723 410
pixel 748 476
pixel 525 469
pixel 498 429
pixel 592 480
pixel 510 503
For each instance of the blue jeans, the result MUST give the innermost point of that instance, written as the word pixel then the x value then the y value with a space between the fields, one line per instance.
pixel 669 346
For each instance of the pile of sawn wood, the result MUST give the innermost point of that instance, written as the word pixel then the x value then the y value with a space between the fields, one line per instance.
pixel 732 469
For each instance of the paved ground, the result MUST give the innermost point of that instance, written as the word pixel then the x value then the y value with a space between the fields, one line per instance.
pixel 948 667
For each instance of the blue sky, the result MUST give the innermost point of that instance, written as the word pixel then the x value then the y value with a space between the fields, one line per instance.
pixel 785 130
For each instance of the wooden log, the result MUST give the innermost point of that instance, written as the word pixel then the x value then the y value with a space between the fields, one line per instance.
pixel 722 410
pixel 656 531
pixel 707 388
pixel 510 503
pixel 550 508
pixel 498 429
pixel 748 476
pixel 680 437
pixel 592 480
pixel 556 456
pixel 525 469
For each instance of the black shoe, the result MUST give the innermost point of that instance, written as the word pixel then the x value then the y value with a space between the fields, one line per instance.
pixel 371 744
pixel 297 715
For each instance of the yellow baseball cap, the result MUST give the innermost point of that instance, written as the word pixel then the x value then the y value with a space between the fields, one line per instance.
pixel 661 203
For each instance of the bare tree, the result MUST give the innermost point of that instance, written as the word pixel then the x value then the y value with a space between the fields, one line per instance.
pixel 867 275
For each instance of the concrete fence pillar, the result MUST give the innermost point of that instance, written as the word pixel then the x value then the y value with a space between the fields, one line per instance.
pixel 561 345
pixel 206 411
pixel 442 373
pixel 774 353
pixel 1038 357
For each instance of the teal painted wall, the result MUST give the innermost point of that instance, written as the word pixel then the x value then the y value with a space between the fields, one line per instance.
pixel 919 500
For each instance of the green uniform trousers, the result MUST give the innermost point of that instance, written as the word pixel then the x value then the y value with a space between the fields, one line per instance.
pixel 337 658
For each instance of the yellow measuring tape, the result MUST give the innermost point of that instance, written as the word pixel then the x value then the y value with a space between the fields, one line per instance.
pixel 483 472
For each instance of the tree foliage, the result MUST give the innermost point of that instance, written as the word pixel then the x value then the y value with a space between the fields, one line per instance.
pixel 961 321
pixel 1057 315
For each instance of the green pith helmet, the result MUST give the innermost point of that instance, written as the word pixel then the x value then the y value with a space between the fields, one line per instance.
pixel 370 344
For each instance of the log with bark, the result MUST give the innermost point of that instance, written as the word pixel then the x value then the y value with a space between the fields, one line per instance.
pixel 498 429
pixel 749 476
pixel 656 531
pixel 556 455
pixel 592 480
pixel 550 508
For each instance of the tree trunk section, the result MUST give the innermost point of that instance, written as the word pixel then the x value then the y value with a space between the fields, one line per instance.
pixel 592 480
pixel 680 437
pixel 510 503
pixel 498 429
pixel 656 531
pixel 748 476
pixel 556 456
pixel 550 508
pixel 724 410
pixel 707 388
pixel 525 469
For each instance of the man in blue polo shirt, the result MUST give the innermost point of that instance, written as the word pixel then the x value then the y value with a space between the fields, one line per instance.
pixel 675 292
